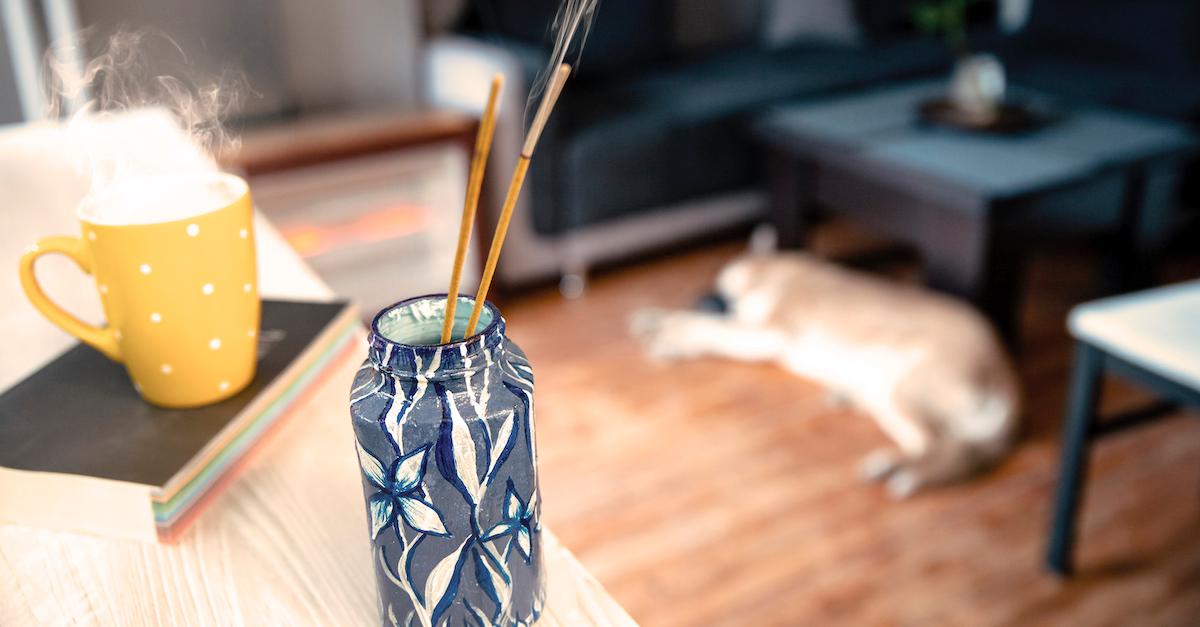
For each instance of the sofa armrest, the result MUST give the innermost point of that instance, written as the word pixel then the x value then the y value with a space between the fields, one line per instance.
pixel 458 70
pixel 457 74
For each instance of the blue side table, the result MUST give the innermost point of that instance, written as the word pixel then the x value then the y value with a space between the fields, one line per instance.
pixel 1151 338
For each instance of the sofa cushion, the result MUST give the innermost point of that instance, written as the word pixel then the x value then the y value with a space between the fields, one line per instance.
pixel 884 20
pixel 892 20
pixel 859 65
pixel 679 134
pixel 625 33
pixel 700 28
pixel 1162 93
pixel 1098 51
pixel 1160 34
pixel 786 22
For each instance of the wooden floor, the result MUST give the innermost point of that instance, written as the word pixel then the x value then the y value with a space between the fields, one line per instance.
pixel 719 493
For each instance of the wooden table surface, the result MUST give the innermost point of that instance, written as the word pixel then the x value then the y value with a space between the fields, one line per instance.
pixel 285 544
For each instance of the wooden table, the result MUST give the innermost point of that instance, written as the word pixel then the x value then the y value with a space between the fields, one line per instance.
pixel 1148 338
pixel 285 544
pixel 971 202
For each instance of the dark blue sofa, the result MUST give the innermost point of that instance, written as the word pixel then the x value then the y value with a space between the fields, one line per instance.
pixel 648 144
pixel 652 131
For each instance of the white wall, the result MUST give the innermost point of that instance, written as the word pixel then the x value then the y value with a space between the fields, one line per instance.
pixel 361 53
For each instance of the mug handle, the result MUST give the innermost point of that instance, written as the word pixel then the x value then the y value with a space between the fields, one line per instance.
pixel 103 339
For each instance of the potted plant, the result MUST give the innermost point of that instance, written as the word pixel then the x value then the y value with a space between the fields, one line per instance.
pixel 977 83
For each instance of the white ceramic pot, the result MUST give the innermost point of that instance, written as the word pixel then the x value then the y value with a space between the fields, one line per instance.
pixel 977 85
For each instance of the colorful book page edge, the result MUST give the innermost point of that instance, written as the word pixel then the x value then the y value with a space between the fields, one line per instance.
pixel 173 513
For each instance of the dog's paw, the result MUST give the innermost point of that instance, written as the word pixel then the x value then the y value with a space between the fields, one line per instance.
pixel 902 484
pixel 646 322
pixel 662 332
pixel 896 473
pixel 878 465
pixel 836 399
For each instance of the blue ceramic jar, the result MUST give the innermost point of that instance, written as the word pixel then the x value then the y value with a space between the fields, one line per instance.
pixel 446 445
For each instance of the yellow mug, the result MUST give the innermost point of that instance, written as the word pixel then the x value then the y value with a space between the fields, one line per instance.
pixel 173 259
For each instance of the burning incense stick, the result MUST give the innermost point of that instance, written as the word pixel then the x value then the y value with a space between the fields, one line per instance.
pixel 483 146
pixel 553 89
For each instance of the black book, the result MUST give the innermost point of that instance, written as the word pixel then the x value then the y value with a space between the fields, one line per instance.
pixel 80 450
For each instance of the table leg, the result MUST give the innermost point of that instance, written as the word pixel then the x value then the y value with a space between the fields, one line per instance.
pixel 1127 266
pixel 1147 210
pixel 791 182
pixel 1081 410
pixel 965 255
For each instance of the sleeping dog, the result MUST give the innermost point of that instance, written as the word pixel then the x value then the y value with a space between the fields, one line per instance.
pixel 927 368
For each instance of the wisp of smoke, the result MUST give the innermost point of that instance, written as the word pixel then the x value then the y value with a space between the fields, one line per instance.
pixel 120 78
pixel 570 28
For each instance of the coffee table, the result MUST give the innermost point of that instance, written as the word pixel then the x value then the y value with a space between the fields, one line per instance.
pixel 972 202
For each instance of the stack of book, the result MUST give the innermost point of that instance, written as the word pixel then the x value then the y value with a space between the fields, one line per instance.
pixel 81 451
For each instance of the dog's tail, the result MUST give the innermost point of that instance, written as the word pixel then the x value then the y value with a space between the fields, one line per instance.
pixel 993 428
pixel 981 410
pixel 960 447
pixel 971 428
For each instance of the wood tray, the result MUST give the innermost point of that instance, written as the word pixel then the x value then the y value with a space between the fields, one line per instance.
pixel 1009 118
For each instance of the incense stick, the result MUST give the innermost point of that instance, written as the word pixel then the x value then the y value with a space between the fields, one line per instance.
pixel 514 190
pixel 483 145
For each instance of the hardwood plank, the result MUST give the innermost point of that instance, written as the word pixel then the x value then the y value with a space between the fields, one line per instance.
pixel 717 493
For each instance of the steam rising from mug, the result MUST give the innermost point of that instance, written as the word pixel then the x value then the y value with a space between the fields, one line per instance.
pixel 118 79
pixel 570 29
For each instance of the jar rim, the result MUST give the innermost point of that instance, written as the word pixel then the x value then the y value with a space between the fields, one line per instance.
pixel 425 359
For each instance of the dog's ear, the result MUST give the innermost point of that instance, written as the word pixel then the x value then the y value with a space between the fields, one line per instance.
pixel 764 240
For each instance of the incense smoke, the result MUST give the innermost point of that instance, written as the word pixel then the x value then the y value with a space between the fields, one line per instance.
pixel 570 29
pixel 91 94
